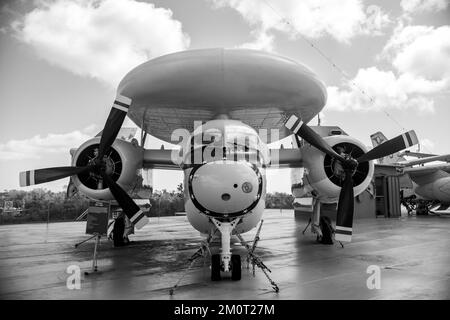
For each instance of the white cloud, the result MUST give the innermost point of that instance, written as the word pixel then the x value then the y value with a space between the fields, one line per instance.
pixel 103 39
pixel 427 144
pixel 417 6
pixel 420 50
pixel 421 58
pixel 340 19
pixel 39 147
pixel 387 90
pixel 262 41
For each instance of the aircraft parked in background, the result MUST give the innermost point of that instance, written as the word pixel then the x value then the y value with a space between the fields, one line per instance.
pixel 431 182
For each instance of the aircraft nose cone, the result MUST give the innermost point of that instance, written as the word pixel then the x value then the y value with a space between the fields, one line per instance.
pixel 225 187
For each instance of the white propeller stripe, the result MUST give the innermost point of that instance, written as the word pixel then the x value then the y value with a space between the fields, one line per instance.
pixel 413 137
pixel 290 123
pixel 343 237
pixel 32 177
pixel 121 108
pixel 139 219
pixel 298 126
pixel 405 140
pixel 136 216
pixel 344 228
pixel 123 99
pixel 142 222
pixel 23 179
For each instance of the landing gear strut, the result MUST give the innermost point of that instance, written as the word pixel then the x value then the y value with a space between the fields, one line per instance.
pixel 326 229
pixel 321 226
pixel 226 261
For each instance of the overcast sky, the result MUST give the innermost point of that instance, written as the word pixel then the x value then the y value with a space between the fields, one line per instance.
pixel 61 60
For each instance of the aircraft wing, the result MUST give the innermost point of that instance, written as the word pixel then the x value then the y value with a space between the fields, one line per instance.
pixel 125 134
pixel 159 159
pixel 445 157
pixel 286 158
pixel 280 158
pixel 428 174
pixel 416 154
pixel 427 169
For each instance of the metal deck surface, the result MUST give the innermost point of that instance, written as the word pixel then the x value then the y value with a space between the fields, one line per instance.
pixel 413 254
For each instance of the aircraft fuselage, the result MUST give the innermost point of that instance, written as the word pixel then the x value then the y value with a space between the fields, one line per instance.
pixel 436 190
pixel 224 175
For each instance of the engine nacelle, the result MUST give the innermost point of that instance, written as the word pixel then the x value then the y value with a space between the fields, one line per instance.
pixel 320 171
pixel 123 161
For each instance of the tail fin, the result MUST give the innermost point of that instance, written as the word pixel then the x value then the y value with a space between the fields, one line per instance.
pixel 377 139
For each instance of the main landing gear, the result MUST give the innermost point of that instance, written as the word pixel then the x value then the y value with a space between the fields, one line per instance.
pixel 321 226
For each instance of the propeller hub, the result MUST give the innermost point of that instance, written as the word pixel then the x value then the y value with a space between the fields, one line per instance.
pixel 109 164
pixel 105 165
pixel 345 164
pixel 350 164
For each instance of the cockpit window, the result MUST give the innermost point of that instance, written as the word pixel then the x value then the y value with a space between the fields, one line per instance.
pixel 238 138
pixel 203 138
pixel 227 139
pixel 241 138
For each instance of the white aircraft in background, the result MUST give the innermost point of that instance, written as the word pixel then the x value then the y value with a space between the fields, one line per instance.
pixel 231 92
pixel 431 182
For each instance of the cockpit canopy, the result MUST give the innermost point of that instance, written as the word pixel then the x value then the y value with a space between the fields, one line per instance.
pixel 231 138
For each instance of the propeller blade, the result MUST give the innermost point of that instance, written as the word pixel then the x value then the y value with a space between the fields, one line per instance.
pixel 32 177
pixel 298 127
pixel 130 208
pixel 391 146
pixel 344 217
pixel 112 126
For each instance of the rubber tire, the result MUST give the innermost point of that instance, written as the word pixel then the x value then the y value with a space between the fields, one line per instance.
pixel 236 269
pixel 422 209
pixel 215 267
pixel 118 230
pixel 327 230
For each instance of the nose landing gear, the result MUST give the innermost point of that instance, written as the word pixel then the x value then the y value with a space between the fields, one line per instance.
pixel 225 261
pixel 217 267
pixel 236 267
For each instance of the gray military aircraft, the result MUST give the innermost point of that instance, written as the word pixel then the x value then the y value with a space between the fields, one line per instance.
pixel 431 182
pixel 230 93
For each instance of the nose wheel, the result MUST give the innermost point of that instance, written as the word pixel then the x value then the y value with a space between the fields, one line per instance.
pixel 217 267
pixel 225 261
pixel 236 267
